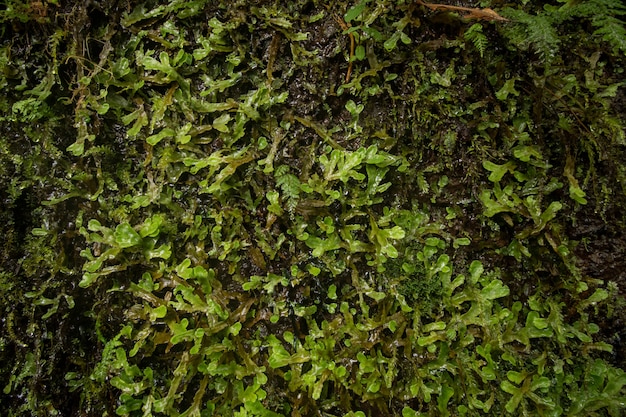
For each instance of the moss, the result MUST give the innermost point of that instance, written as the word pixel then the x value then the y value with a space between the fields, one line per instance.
pixel 377 208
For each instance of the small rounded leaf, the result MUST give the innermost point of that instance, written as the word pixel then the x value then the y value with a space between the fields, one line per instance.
pixel 126 236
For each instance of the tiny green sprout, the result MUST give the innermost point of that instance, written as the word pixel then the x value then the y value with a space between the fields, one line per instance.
pixel 289 337
pixel 37 231
pixel 313 270
pixel 354 109
pixel 158 313
pixel 254 283
pixel 443 181
pixel 528 154
pixel 235 329
pixel 536 384
pixel 391 43
pixel 409 412
pixel 221 123
pixel 359 52
pixel 321 246
pixel 463 241
pixel 452 214
pixel 279 356
pixel 444 397
pixel 275 206
pixel 332 292
pixel 393 326
pixel 151 226
pixel 576 193
pixel 376 295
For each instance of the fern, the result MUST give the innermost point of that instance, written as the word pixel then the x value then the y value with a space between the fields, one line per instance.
pixel 612 31
pixel 593 8
pixel 289 185
pixel 475 35
pixel 540 32
pixel 603 15
pixel 534 32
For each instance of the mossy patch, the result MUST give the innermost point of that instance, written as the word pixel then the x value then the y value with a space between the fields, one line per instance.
pixel 352 209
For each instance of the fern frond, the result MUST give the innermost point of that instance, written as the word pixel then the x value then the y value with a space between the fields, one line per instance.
pixel 281 170
pixel 534 32
pixel 289 185
pixel 475 35
pixel 612 30
pixel 603 15
pixel 591 8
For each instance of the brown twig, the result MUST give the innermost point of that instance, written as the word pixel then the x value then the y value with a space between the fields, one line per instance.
pixel 344 26
pixel 466 12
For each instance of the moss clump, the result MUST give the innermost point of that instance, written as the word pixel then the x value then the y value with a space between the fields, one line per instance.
pixel 373 208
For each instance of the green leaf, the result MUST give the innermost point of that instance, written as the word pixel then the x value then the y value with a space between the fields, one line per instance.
pixel 577 194
pixel 279 356
pixel 180 332
pixel 359 52
pixel 355 11
pixel 437 325
pixel 475 35
pixel 391 43
pixel 289 184
pixel 599 295
pixel 141 119
pixel 158 313
pixel 320 246
pixel 150 227
pixel 332 292
pixel 444 397
pixel 126 236
pixel 498 171
pixel 430 339
pixel 540 323
pixel 164 133
pixel 495 289
pixel 373 385
pixel 462 241
pixel 507 88
pixel 439 79
pixel 274 206
pixel 366 364
pixel 409 412
pixel 221 123
pixel 376 295
pixel 164 252
pixel 516 393
pixel 476 270
pixel 550 212
pixel 527 153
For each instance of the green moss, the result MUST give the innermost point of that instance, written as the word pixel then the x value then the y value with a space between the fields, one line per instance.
pixel 288 209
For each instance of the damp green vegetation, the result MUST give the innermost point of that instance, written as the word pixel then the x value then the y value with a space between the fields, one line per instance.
pixel 308 208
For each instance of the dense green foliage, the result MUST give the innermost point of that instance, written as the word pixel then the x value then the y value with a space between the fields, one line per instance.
pixel 312 209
